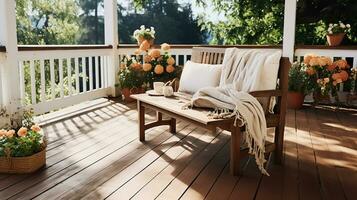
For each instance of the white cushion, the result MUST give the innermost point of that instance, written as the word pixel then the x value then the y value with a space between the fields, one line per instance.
pixel 196 76
pixel 269 74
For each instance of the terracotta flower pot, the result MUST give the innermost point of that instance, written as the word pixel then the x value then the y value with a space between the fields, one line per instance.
pixel 126 92
pixel 295 100
pixel 335 39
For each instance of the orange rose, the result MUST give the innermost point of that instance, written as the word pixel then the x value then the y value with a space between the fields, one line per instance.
pixel 159 69
pixel 314 61
pixel 342 64
pixel 3 132
pixel 147 58
pixel 145 45
pixel 307 58
pixel 171 61
pixel 310 71
pixel 331 67
pixel 36 128
pixel 336 76
pixel 165 47
pixel 344 75
pixel 170 69
pixel 155 53
pixel 10 133
pixel 147 67
pixel 136 66
pixel 22 132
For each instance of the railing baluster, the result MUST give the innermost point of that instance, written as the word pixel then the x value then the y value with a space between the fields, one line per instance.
pixel 354 61
pixel 90 73
pixel 61 77
pixel 33 82
pixel 96 72
pixel 22 81
pixel 76 69
pixel 102 71
pixel 53 83
pixel 84 73
pixel 43 81
pixel 69 76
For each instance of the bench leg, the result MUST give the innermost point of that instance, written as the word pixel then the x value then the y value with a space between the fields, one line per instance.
pixel 173 125
pixel 278 140
pixel 235 150
pixel 141 112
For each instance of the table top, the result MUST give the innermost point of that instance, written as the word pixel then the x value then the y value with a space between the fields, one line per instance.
pixel 175 104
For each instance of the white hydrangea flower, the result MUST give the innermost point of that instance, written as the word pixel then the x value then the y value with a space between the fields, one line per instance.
pixel 329 29
pixel 342 26
pixel 330 32
pixel 142 27
pixel 330 25
pixel 348 25
pixel 335 25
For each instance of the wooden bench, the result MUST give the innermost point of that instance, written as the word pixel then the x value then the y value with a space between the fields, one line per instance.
pixel 173 108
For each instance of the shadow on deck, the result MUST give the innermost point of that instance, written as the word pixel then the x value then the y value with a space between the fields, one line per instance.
pixel 94 153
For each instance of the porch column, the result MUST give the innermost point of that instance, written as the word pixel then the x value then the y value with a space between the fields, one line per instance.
pixel 111 38
pixel 289 29
pixel 9 70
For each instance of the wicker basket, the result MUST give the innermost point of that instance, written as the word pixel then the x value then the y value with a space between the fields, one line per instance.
pixel 22 165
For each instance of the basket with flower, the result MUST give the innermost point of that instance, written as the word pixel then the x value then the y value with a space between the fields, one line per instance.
pixel 22 144
pixel 144 34
pixel 325 75
pixel 336 33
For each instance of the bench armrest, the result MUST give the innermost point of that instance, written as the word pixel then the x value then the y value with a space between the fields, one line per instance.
pixel 267 93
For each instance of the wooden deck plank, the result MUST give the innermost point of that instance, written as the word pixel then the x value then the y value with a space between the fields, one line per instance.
pixel 331 187
pixel 180 184
pixel 94 152
pixel 308 174
pixel 122 146
pixel 139 181
pixel 118 176
pixel 61 160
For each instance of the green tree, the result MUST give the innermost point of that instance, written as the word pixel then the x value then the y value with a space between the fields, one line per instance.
pixel 47 21
pixel 261 22
pixel 173 22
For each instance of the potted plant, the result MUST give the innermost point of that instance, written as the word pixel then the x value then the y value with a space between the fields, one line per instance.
pixel 144 34
pixel 22 144
pixel 298 86
pixel 325 76
pixel 336 33
pixel 131 77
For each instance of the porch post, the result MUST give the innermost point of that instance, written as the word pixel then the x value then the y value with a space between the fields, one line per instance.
pixel 9 71
pixel 111 38
pixel 289 29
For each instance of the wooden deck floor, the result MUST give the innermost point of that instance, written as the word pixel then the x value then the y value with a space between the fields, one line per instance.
pixel 94 153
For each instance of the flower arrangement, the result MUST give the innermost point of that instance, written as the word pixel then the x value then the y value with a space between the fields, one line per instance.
pixel 299 79
pixel 324 74
pixel 143 34
pixel 338 28
pixel 20 140
pixel 148 65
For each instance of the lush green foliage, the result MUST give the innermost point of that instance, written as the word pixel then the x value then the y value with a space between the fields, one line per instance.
pixel 298 79
pixel 261 22
pixel 21 146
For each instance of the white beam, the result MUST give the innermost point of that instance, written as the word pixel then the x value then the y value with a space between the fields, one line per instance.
pixel 10 70
pixel 289 29
pixel 111 38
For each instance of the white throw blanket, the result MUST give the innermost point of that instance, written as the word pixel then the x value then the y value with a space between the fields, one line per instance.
pixel 241 74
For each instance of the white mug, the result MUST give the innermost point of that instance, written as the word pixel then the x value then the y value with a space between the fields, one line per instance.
pixel 158 86
pixel 168 91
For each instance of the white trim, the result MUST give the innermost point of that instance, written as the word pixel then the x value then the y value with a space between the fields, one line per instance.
pixel 289 29
pixel 58 103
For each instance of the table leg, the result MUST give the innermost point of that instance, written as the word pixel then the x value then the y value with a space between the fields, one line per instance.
pixel 141 118
pixel 235 150
pixel 173 125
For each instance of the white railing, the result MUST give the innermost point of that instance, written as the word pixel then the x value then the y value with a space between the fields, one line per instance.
pixel 181 53
pixel 349 53
pixel 2 59
pixel 53 78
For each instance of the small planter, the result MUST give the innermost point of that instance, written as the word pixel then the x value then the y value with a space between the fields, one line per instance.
pixel 335 39
pixel 126 92
pixel 22 165
pixel 295 100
